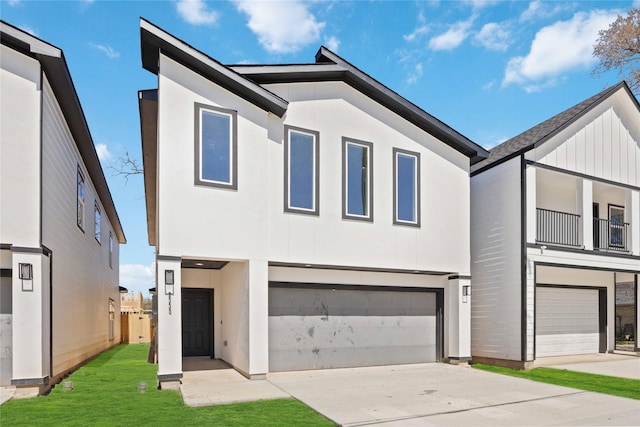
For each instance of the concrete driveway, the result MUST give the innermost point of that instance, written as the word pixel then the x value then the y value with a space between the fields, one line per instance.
pixel 613 365
pixel 439 394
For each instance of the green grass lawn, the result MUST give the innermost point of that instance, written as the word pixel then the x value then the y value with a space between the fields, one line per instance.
pixel 106 394
pixel 622 387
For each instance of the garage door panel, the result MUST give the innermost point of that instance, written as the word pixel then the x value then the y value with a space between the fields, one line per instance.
pixel 324 328
pixel 567 321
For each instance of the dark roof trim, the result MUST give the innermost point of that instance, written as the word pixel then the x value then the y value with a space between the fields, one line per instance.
pixel 122 289
pixel 55 67
pixel 331 67
pixel 148 107
pixel 155 40
pixel 543 132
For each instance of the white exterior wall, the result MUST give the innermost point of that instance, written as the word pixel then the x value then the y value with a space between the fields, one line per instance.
pixel 604 143
pixel 253 228
pixel 336 110
pixel 19 149
pixel 190 220
pixel 82 276
pixel 496 268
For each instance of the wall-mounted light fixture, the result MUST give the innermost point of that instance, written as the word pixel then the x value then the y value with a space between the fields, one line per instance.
pixel 168 282
pixel 25 272
pixel 466 293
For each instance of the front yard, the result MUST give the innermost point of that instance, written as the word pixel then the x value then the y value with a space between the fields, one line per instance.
pixel 105 393
pixel 622 387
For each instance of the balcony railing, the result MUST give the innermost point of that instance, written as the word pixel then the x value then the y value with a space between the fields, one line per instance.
pixel 610 235
pixel 559 228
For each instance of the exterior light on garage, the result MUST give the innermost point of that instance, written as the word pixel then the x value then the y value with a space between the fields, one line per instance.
pixel 168 282
pixel 26 275
pixel 466 293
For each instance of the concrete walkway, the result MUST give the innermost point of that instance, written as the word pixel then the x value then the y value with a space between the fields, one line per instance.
pixel 220 384
pixel 440 394
pixel 614 365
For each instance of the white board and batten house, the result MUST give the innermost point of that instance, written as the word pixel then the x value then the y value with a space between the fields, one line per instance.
pixel 59 229
pixel 555 230
pixel 304 216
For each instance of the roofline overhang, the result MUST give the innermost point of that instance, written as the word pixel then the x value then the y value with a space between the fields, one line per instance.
pixel 148 107
pixel 154 41
pixel 331 67
pixel 55 68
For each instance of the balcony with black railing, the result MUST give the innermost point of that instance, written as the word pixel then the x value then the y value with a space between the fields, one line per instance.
pixel 610 235
pixel 559 228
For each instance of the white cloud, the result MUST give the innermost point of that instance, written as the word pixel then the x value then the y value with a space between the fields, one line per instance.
pixel 480 4
pixel 13 2
pixel 415 74
pixel 453 37
pixel 103 152
pixel 196 12
pixel 332 43
pixel 421 30
pixel 281 26
pixel 107 50
pixel 493 36
pixel 138 277
pixel 636 3
pixel 539 9
pixel 558 48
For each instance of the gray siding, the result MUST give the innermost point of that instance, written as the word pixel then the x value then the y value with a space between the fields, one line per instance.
pixel 83 282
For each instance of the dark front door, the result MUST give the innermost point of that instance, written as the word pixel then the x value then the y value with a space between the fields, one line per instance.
pixel 197 322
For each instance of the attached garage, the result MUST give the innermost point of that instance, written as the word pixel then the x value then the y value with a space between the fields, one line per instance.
pixel 317 326
pixel 570 320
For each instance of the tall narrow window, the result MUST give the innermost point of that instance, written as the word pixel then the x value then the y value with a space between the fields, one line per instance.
pixel 97 220
pixel 110 250
pixel 112 318
pixel 80 207
pixel 617 237
pixel 357 177
pixel 301 170
pixel 216 144
pixel 406 187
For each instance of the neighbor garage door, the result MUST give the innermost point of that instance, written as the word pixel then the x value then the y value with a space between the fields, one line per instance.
pixel 567 321
pixel 331 327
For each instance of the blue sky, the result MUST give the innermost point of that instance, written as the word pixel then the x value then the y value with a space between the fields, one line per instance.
pixel 489 69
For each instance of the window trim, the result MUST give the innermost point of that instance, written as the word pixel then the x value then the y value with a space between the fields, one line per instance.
pixel 369 145
pixel 110 249
pixel 233 142
pixel 97 226
pixel 416 156
pixel 80 201
pixel 316 173
pixel 616 226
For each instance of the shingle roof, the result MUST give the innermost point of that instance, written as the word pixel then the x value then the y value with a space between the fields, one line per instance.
pixel 544 131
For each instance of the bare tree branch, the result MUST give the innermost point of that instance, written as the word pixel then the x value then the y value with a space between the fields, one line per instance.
pixel 126 167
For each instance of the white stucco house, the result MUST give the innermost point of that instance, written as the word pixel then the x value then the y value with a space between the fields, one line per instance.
pixel 59 229
pixel 304 216
pixel 556 235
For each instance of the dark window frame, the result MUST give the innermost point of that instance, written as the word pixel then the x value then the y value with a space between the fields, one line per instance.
pixel 80 200
pixel 316 176
pixel 346 141
pixel 97 226
pixel 233 142
pixel 396 220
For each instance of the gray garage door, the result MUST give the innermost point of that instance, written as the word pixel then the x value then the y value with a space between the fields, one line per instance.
pixel 315 328
pixel 567 321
